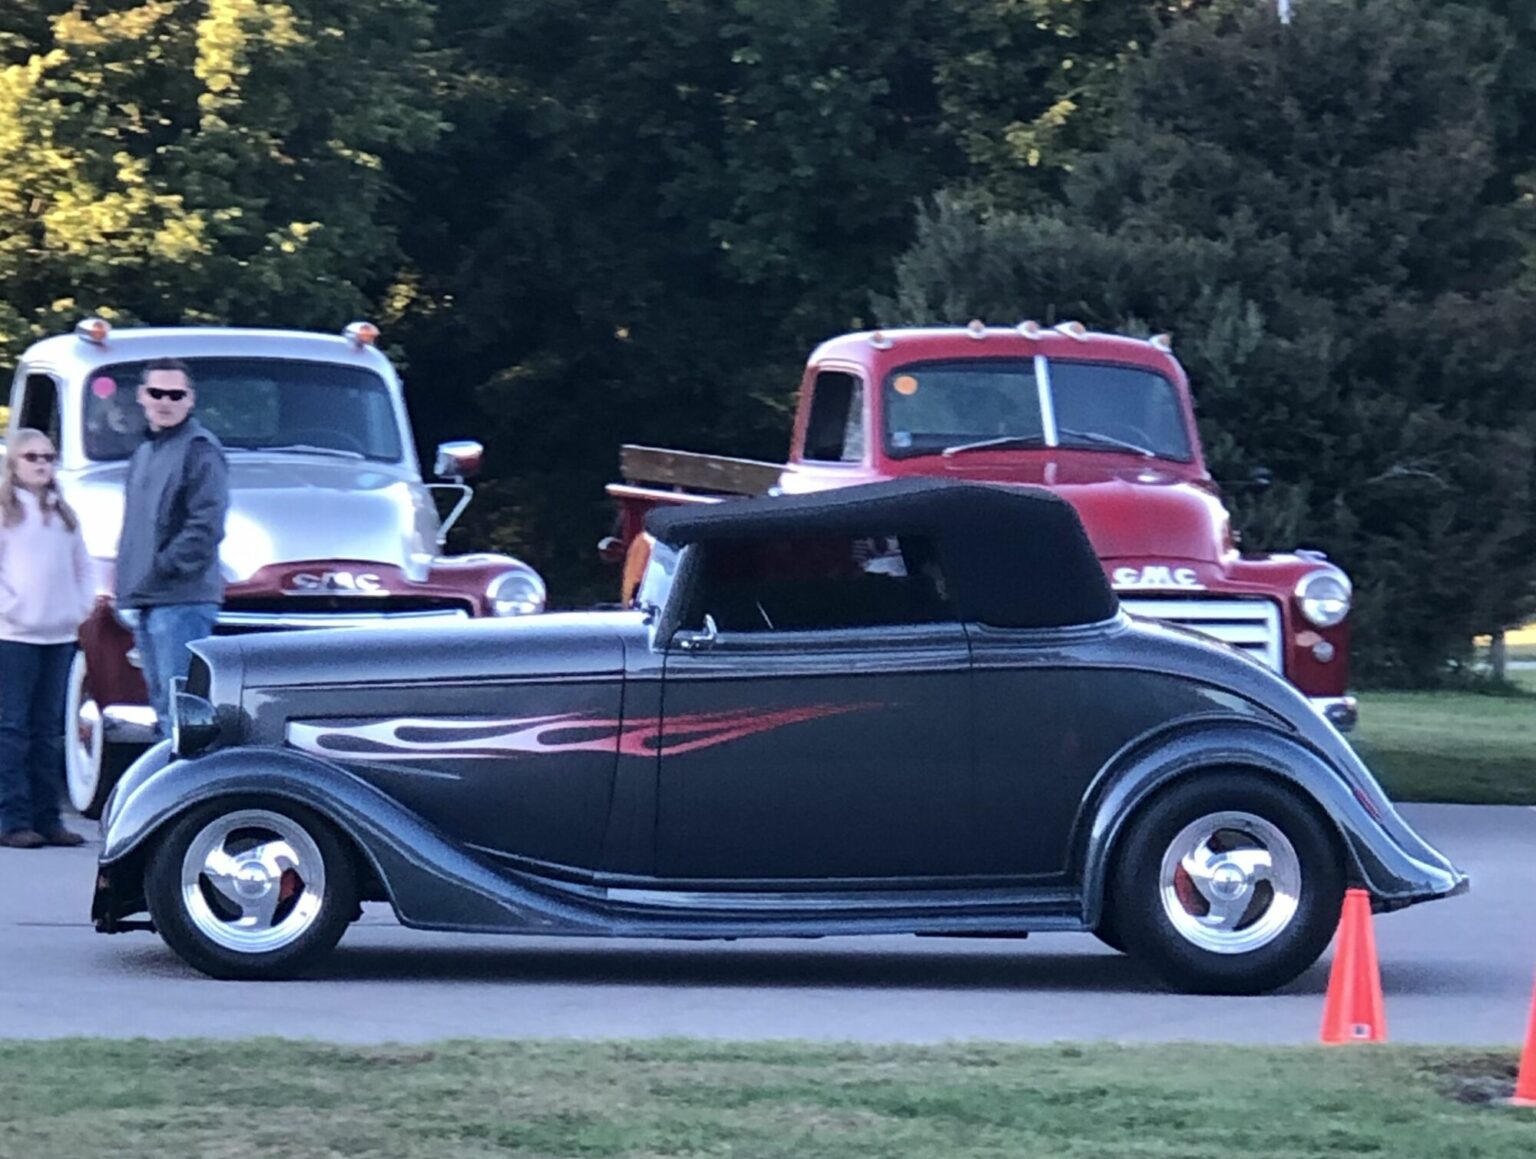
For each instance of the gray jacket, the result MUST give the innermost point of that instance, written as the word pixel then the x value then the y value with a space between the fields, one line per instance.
pixel 174 500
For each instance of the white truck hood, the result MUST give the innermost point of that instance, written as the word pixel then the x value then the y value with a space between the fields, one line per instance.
pixel 286 508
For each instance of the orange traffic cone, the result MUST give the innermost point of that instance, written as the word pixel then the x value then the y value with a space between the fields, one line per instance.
pixel 1353 1011
pixel 1525 1085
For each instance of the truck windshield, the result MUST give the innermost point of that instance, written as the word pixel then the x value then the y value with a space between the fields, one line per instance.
pixel 996 403
pixel 254 403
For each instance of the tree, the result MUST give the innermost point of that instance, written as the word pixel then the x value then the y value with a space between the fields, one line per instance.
pixel 205 160
pixel 684 198
pixel 1317 207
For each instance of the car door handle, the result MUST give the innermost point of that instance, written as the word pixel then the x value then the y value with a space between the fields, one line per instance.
pixel 699 641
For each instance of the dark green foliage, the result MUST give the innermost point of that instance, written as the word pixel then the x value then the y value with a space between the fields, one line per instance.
pixel 662 208
pixel 1313 207
pixel 204 160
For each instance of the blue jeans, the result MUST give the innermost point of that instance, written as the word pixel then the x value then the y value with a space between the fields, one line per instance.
pixel 162 635
pixel 34 680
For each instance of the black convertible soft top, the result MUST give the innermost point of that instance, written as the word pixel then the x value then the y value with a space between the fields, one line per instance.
pixel 1014 556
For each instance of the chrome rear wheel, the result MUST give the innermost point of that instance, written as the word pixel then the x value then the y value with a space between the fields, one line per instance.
pixel 1230 882
pixel 1227 883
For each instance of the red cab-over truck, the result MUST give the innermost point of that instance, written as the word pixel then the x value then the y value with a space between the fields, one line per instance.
pixel 1102 420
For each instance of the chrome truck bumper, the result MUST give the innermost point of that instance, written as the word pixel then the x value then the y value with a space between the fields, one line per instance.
pixel 129 724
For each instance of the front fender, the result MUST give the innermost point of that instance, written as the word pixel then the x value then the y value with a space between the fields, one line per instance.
pixel 1396 869
pixel 432 883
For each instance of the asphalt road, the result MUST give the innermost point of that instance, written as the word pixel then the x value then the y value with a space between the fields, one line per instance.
pixel 1457 971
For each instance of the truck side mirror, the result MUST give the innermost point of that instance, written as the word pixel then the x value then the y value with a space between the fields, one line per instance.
pixel 458 460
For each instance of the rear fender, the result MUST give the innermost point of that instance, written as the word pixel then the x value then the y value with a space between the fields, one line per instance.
pixel 1376 860
pixel 431 882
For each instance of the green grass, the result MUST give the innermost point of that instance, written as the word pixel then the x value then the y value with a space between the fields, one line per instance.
pixel 1452 746
pixel 85 1098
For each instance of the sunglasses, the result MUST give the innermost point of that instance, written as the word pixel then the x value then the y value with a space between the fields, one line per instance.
pixel 39 456
pixel 158 393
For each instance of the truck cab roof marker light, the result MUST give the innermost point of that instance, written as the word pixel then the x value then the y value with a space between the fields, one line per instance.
pixel 93 330
pixel 879 340
pixel 1030 328
pixel 1073 330
pixel 976 328
pixel 362 333
pixel 1163 342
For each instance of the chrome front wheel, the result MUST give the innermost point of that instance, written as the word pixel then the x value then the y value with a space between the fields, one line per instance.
pixel 251 889
pixel 253 881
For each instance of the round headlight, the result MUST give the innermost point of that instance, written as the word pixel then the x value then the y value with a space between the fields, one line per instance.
pixel 1324 597
pixel 516 593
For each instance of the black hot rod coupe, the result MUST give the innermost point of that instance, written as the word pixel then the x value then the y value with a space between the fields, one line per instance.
pixel 911 707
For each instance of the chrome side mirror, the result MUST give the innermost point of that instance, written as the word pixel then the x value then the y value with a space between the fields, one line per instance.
pixel 458 460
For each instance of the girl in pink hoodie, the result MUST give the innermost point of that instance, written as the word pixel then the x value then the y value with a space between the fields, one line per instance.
pixel 47 587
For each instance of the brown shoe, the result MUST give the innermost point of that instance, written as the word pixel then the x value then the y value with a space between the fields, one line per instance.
pixel 65 837
pixel 23 839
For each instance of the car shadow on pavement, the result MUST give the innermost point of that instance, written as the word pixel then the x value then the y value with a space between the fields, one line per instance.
pixel 777 968
pixel 606 964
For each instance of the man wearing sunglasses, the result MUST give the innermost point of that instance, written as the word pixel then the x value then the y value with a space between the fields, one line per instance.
pixel 175 497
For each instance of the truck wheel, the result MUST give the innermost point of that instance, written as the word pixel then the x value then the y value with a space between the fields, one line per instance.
pixel 92 764
pixel 251 889
pixel 1227 884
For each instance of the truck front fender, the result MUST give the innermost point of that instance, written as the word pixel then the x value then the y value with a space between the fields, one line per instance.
pixel 1394 874
pixel 422 873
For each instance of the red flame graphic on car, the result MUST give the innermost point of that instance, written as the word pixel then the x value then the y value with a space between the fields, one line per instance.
pixel 457 739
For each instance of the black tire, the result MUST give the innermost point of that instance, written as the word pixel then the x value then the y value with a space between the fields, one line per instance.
pixel 1110 936
pixel 314 932
pixel 1284 942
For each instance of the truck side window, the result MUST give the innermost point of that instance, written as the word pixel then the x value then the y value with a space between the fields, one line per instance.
pixel 834 432
pixel 40 406
pixel 809 584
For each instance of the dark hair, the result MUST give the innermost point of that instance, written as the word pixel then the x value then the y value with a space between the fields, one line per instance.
pixel 166 364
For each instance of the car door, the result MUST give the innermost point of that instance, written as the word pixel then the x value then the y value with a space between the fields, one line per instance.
pixel 815 744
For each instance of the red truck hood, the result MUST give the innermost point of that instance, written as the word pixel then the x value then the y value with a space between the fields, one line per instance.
pixel 1130 512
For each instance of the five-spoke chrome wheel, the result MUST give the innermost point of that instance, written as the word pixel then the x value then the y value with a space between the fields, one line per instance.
pixel 1230 882
pixel 253 881
pixel 251 887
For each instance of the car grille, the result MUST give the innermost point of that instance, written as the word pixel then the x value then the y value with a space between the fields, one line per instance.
pixel 280 615
pixel 1250 624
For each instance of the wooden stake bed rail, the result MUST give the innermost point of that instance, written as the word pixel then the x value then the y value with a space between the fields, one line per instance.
pixel 718 473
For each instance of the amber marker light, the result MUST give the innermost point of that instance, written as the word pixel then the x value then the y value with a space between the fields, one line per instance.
pixel 362 333
pixel 94 330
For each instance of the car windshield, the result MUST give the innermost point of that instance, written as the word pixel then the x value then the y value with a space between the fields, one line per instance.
pixel 960 406
pixel 1121 403
pixel 255 404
